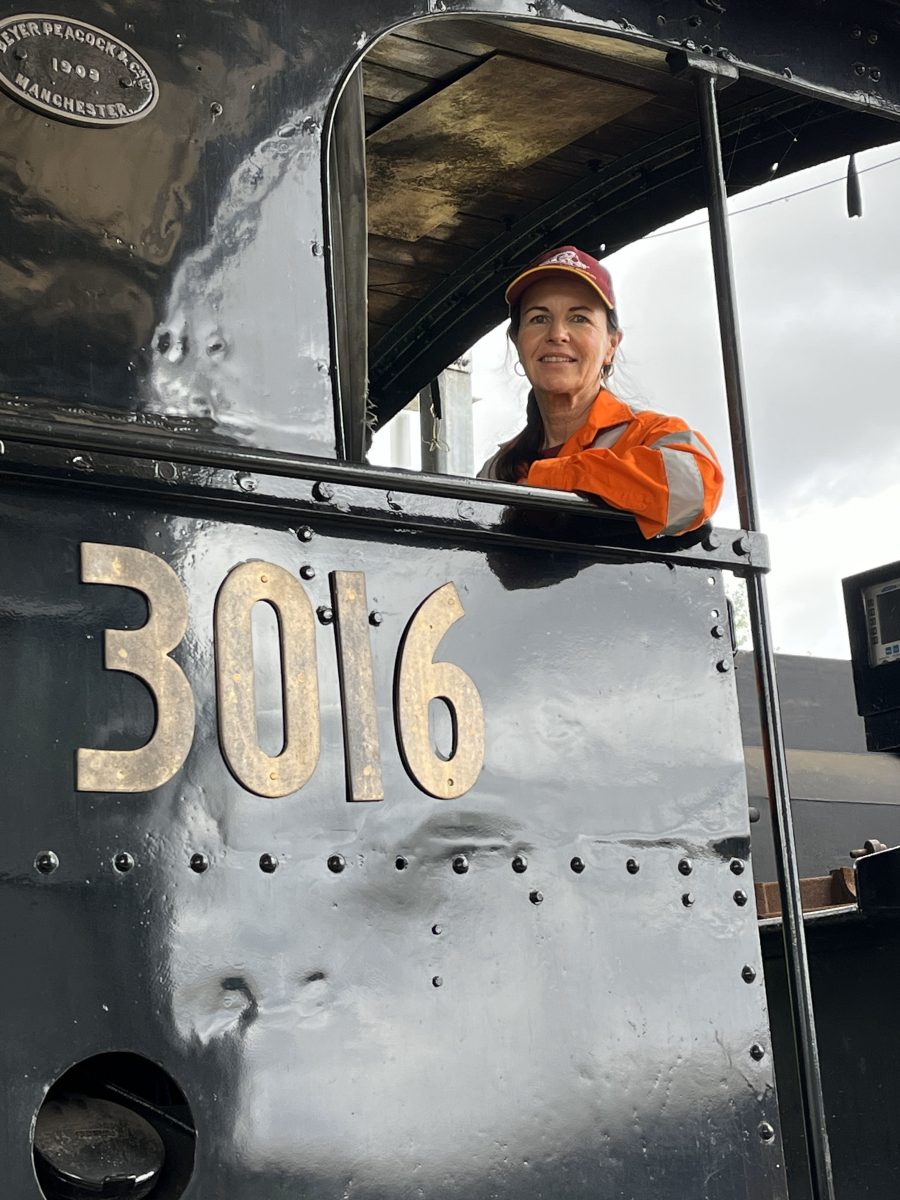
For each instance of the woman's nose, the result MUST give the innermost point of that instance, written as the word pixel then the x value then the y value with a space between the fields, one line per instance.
pixel 558 331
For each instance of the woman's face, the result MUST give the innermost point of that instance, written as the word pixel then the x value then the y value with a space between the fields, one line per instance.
pixel 563 339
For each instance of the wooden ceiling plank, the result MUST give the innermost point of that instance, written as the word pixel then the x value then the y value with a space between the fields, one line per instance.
pixel 457 144
pixel 419 57
pixel 384 83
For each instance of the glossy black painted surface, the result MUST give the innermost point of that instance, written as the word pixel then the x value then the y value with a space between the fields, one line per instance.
pixel 594 1044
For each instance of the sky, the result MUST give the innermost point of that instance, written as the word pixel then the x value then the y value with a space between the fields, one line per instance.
pixel 819 301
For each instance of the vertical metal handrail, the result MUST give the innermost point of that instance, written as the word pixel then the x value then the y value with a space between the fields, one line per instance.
pixel 799 986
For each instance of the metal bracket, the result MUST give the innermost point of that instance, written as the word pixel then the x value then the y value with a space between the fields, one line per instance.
pixel 689 60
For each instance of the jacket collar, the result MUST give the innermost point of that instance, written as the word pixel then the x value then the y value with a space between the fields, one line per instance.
pixel 606 411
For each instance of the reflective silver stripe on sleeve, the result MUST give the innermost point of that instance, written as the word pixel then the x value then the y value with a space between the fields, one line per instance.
pixel 607 438
pixel 685 490
pixel 684 438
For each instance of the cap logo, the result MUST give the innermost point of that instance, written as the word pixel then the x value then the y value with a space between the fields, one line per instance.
pixel 566 258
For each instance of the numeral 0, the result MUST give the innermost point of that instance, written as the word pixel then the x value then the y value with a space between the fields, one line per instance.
pixel 146 652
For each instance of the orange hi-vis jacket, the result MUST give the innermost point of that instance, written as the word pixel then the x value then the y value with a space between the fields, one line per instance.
pixel 646 463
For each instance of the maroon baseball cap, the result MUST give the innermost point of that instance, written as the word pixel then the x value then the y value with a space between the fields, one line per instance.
pixel 568 260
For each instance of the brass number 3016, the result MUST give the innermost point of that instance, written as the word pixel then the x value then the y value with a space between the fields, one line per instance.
pixel 419 680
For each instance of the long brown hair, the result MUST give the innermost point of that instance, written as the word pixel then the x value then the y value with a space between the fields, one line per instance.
pixel 517 456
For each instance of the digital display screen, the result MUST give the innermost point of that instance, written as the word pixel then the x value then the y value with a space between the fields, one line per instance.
pixel 889 616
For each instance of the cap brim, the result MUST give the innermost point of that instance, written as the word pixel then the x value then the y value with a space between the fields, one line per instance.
pixel 521 282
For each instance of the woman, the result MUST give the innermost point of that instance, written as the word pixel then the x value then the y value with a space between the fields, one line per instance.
pixel 578 437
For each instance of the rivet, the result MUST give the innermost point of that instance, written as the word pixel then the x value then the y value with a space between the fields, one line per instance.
pixel 536 897
pixel 740 898
pixel 577 864
pixel 660 20
pixel 875 75
pixel 757 1052
pixel 336 863
pixel 123 861
pixel 325 614
pixel 748 974
pixel 856 32
pixel 216 108
pixel 718 631
pixel 753 814
pixel 723 666
pixel 687 899
pixel 125 82
pixel 245 482
pixel 788 73
pixel 263 579
pixel 46 862
pixel 307 572
pixel 460 864
pixel 304 534
pixel 21 53
pixel 401 863
pixel 322 491
pixel 437 930
pixel 632 866
pixel 375 618
pixel 712 541
pixel 766 1132
pixel 520 864
pixel 737 867
pixel 859 68
pixel 685 866
pixel 741 545
pixel 437 981
pixel 199 863
pixel 268 863
pixel 872 37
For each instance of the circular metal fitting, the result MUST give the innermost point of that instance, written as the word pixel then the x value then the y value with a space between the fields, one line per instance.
pixel 437 930
pixel 304 534
pixel 723 666
pixel 748 974
pixel 268 863
pixel 336 863
pixel 872 37
pixel 718 631
pixel 875 74
pixel 757 1052
pixel 577 864
pixel 199 863
pixel 740 898
pixel 632 866
pixel 375 618
pixel 737 867
pixel 856 32
pixel 325 614
pixel 536 897
pixel 741 545
pixel 766 1131
pixel 307 572
pixel 46 862
pixel 859 69
pixel 460 864
pixel 685 866
pixel 322 491
pixel 401 863
pixel 712 541
pixel 123 861
pixel 437 981
pixel 520 864
pixel 687 899
pixel 216 109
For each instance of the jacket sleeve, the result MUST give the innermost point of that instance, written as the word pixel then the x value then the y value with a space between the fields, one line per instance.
pixel 672 481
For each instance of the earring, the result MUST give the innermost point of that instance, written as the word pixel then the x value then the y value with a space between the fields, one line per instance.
pixel 516 365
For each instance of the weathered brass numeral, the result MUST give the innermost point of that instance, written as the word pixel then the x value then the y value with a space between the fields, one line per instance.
pixel 145 653
pixel 358 709
pixel 418 681
pixel 259 772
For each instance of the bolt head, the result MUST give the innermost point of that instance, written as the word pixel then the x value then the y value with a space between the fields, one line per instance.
pixel 748 974
pixel 322 491
pixel 577 864
pixel 536 897
pixel 520 864
pixel 687 899
pixel 685 866
pixel 632 866
pixel 437 930
pixel 307 572
pixel 712 541
pixel 376 619
pixel 401 863
pixel 757 1052
pixel 123 861
pixel 46 862
pixel 737 867
pixel 741 545
pixel 336 863
pixel 460 864
pixel 268 863
pixel 437 981
pixel 718 631
pixel 766 1132
pixel 304 534
pixel 740 898
pixel 199 863
pixel 325 614
pixel 723 666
